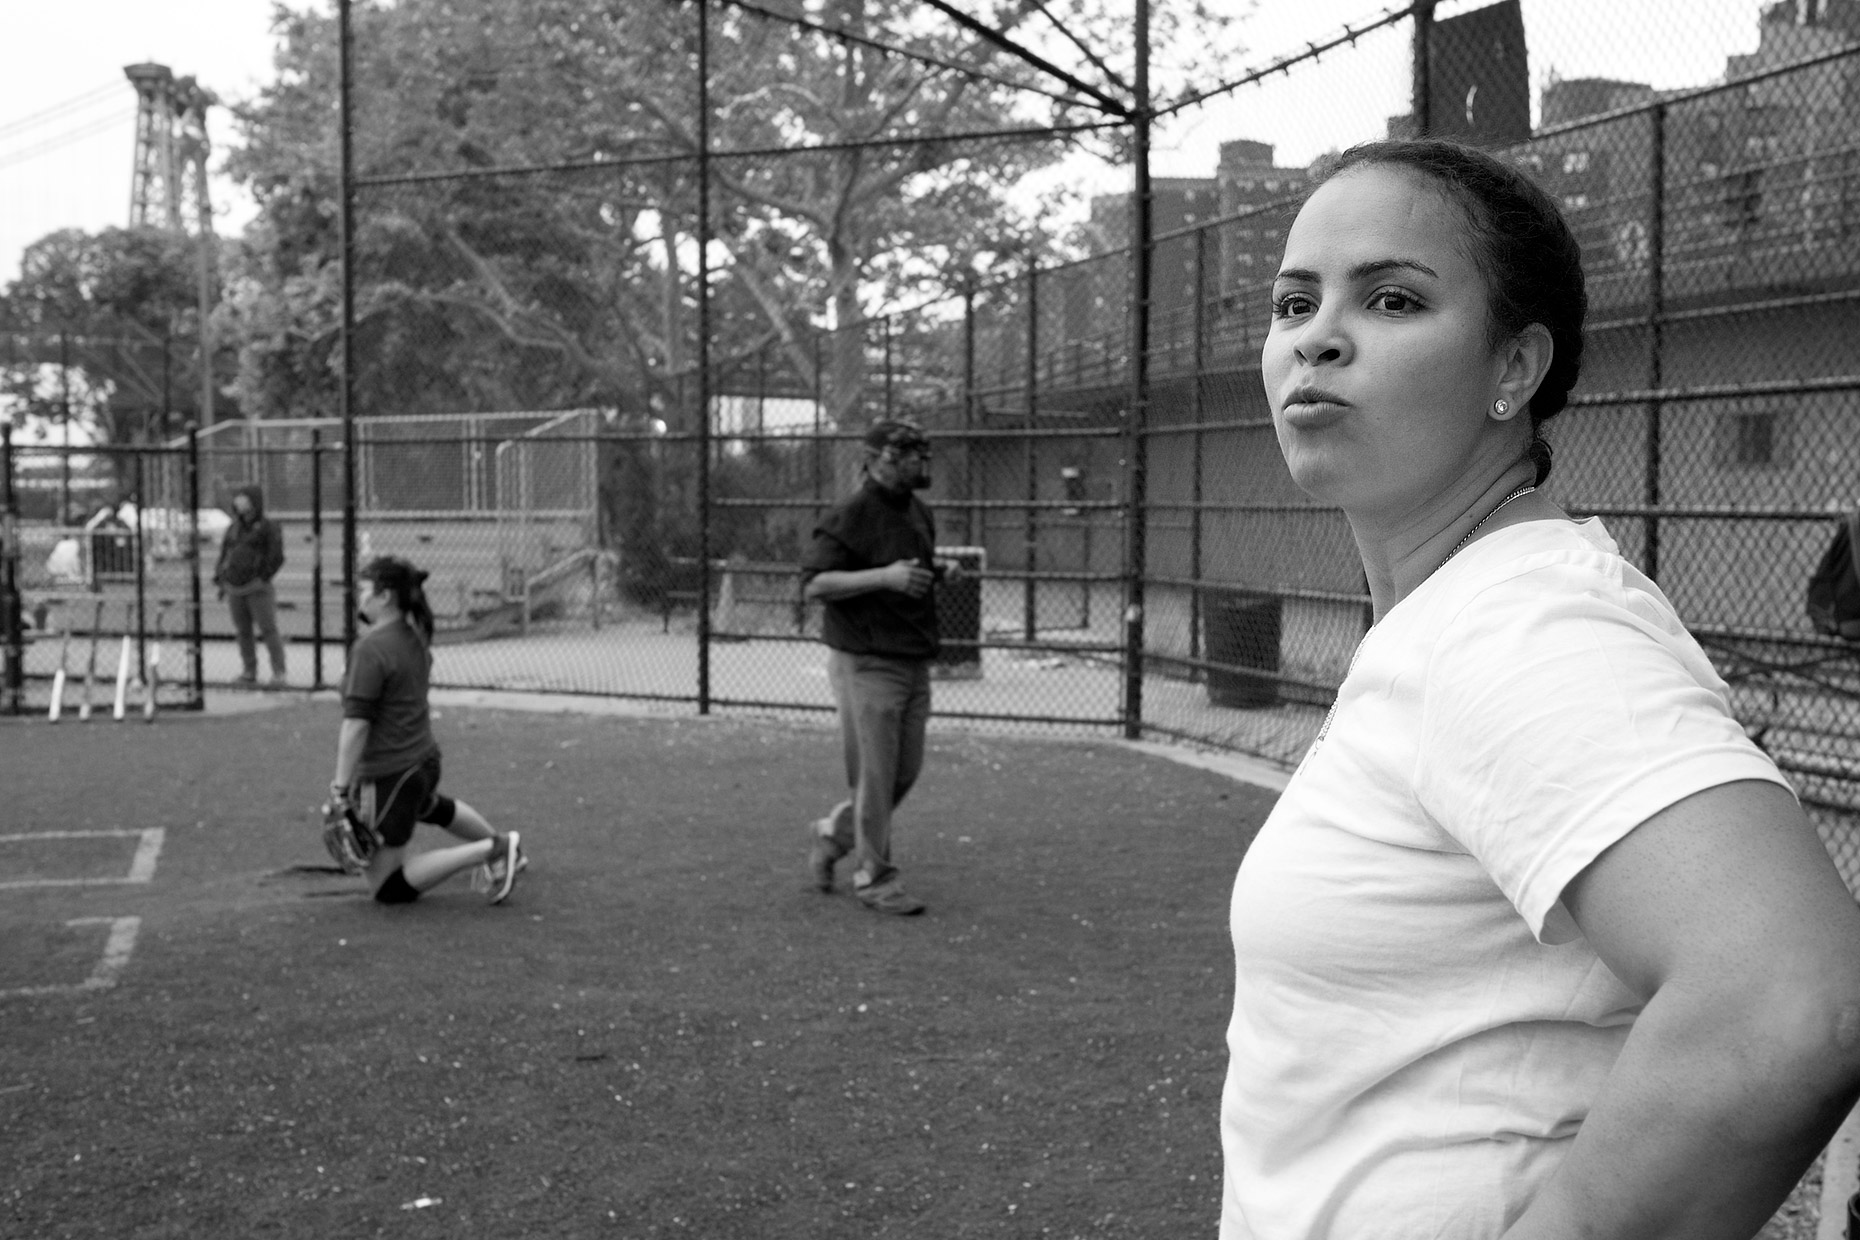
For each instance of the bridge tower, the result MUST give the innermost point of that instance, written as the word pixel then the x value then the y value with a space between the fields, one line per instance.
pixel 168 181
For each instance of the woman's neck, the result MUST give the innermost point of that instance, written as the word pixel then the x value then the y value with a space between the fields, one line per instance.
pixel 1397 560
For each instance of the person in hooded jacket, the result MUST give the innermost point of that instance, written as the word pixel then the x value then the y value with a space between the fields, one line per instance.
pixel 250 555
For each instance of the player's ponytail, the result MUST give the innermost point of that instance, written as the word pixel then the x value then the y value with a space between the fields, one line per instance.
pixel 407 584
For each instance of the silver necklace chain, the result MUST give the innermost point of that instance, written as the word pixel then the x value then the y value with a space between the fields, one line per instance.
pixel 1522 491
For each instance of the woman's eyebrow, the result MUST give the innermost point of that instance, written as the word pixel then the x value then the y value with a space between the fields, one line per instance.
pixel 1362 271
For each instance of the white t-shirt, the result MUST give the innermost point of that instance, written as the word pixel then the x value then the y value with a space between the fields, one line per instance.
pixel 1419 1028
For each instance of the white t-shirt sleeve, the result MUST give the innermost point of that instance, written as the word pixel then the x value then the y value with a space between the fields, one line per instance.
pixel 1563 708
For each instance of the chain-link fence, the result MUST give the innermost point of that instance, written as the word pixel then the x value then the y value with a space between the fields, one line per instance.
pixel 609 366
pixel 98 581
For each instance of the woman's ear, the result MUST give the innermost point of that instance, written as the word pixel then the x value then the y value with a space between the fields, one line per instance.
pixel 1525 360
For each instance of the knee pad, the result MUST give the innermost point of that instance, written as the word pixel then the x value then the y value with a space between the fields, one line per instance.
pixel 395 889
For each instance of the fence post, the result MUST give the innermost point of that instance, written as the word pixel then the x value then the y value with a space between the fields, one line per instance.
pixel 1656 315
pixel 1031 540
pixel 703 357
pixel 1136 430
pixel 64 420
pixel 972 528
pixel 888 398
pixel 345 218
pixel 819 460
pixel 1422 111
pixel 196 638
pixel 316 558
pixel 142 602
pixel 15 672
pixel 1196 412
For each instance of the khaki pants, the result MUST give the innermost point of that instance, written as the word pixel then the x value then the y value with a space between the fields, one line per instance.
pixel 884 711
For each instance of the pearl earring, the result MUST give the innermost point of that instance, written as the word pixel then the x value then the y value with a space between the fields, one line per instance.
pixel 1501 407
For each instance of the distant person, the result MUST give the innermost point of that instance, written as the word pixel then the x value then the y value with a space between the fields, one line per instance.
pixel 873 564
pixel 387 760
pixel 1535 943
pixel 251 552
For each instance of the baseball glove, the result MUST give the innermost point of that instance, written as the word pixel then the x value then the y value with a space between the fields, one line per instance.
pixel 351 840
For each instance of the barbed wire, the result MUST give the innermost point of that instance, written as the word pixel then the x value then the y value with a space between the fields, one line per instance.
pixel 890 49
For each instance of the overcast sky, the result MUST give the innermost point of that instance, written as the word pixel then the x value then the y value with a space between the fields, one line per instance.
pixel 67 136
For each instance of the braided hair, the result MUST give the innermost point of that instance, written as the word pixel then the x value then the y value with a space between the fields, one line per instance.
pixel 405 582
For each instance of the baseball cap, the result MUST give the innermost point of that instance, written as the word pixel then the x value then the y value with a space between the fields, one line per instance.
pixel 895 433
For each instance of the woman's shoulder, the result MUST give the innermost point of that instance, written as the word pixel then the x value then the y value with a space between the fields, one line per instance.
pixel 1558 559
pixel 1527 577
pixel 1556 596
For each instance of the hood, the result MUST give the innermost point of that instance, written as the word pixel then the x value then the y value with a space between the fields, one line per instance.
pixel 256 495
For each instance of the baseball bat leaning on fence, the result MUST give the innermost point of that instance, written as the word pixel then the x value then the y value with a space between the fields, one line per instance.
pixel 120 705
pixel 151 679
pixel 57 707
pixel 90 672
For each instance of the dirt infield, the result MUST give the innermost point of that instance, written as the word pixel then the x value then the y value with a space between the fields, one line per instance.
pixel 664 1033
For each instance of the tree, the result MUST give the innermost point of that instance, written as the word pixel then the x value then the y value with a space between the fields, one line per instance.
pixel 105 330
pixel 578 285
pixel 846 179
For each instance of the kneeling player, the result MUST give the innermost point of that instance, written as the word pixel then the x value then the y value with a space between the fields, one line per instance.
pixel 387 762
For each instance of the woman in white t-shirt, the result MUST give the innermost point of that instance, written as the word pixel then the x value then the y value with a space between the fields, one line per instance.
pixel 1536 943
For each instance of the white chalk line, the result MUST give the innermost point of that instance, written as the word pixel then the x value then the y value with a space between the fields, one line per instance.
pixel 141 866
pixel 116 952
pixel 121 942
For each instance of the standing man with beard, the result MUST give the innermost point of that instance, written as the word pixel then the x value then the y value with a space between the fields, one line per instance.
pixel 873 564
pixel 250 555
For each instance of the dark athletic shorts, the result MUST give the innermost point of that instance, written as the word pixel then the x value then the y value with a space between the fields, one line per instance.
pixel 394 803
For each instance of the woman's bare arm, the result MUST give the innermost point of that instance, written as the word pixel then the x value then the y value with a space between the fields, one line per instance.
pixel 1725 911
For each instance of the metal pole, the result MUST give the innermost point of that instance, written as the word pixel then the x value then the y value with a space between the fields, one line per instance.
pixel 1423 112
pixel 64 418
pixel 1195 468
pixel 703 356
pixel 142 603
pixel 819 457
pixel 1136 445
pixel 888 406
pixel 1656 315
pixel 1031 541
pixel 167 365
pixel 204 294
pixel 346 399
pixel 194 627
pixel 316 558
pixel 971 527
pixel 15 658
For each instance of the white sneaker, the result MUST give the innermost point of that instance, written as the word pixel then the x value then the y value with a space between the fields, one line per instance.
pixel 502 877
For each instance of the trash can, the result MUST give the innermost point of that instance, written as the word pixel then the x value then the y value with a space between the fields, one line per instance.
pixel 1242 630
pixel 959 615
pixel 113 551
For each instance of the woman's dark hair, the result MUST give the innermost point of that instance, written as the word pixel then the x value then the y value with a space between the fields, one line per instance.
pixel 404 582
pixel 1522 246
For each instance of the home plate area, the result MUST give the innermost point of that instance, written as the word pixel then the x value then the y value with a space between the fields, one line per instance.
pixel 54 947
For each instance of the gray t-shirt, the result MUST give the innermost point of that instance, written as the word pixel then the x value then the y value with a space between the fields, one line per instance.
pixel 386 685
